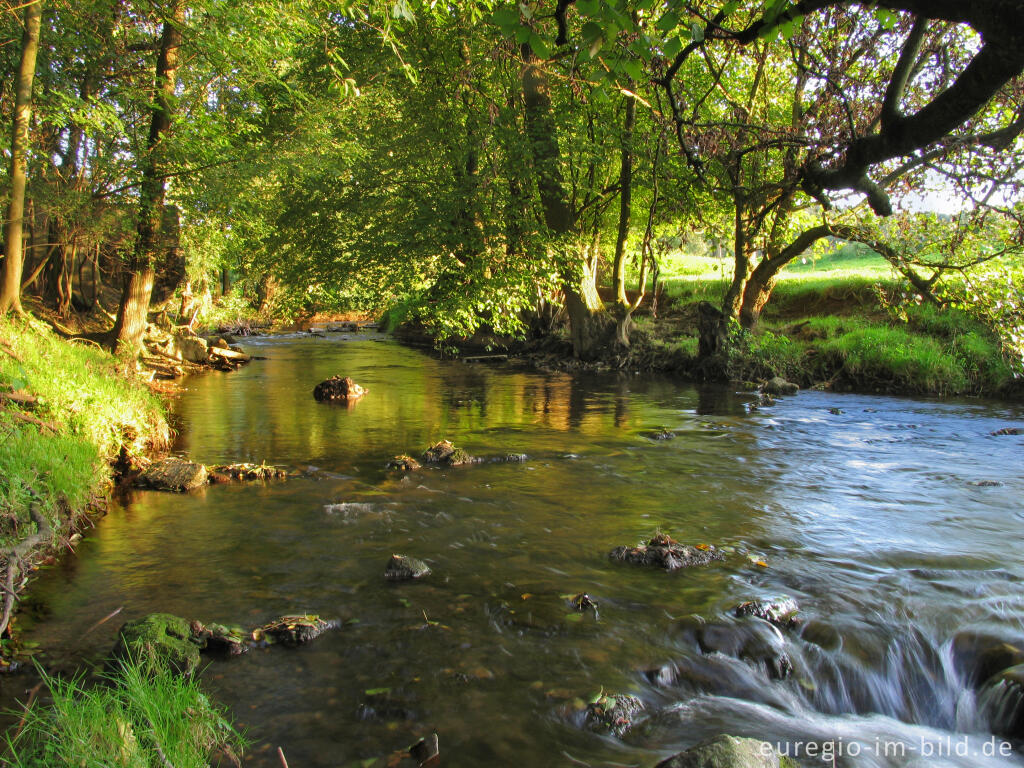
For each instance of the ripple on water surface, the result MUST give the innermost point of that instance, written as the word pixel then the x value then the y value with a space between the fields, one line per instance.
pixel 891 522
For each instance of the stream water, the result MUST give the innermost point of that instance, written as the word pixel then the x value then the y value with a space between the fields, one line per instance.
pixel 894 523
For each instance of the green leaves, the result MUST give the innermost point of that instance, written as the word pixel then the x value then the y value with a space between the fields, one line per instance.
pixel 506 17
pixel 540 46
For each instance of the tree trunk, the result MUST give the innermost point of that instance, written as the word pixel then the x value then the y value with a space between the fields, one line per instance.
pixel 130 324
pixel 756 293
pixel 10 286
pixel 625 205
pixel 741 268
pixel 588 326
pixel 132 314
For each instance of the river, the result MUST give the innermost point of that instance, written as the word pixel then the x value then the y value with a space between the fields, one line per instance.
pixel 895 524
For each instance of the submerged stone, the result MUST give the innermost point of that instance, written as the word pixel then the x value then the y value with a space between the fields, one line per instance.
pixel 404 463
pixel 613 713
pixel 665 552
pixel 728 752
pixel 404 568
pixel 780 611
pixel 659 434
pixel 337 388
pixel 174 474
pixel 749 639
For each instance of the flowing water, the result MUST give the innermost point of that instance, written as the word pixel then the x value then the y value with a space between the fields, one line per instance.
pixel 894 523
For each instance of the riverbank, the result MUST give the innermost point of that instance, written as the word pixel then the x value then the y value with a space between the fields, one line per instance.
pixel 72 417
pixel 844 332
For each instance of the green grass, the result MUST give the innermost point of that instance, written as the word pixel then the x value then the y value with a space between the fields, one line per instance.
pixel 97 407
pixel 139 716
pixel 878 354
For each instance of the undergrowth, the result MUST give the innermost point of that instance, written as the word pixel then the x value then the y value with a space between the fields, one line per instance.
pixel 139 716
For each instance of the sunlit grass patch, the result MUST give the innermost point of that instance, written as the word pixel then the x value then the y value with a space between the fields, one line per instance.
pixel 140 716
pixel 88 409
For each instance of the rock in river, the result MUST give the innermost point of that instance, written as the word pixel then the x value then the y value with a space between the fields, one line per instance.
pixel 159 638
pixel 447 454
pixel 174 474
pixel 337 388
pixel 404 568
pixel 613 713
pixel 167 640
pixel 779 386
pixel 404 463
pixel 728 752
pixel 293 630
pixel 665 552
pixel 780 611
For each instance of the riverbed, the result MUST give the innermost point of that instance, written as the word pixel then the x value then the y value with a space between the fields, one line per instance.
pixel 894 523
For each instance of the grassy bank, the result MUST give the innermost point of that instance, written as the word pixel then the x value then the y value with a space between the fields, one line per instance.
pixel 842 322
pixel 68 412
pixel 138 716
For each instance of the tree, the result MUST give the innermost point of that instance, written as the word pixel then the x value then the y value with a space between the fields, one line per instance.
pixel 10 288
pixel 130 324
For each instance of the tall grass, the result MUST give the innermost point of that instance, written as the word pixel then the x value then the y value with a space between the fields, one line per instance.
pixel 138 717
pixel 94 408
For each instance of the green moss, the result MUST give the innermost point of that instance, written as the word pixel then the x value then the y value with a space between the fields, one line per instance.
pixel 159 640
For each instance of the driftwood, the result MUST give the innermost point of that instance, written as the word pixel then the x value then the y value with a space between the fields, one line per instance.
pixel 15 558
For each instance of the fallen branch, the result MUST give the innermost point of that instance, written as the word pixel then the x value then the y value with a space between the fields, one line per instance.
pixel 22 398
pixel 10 352
pixel 33 420
pixel 105 619
pixel 26 545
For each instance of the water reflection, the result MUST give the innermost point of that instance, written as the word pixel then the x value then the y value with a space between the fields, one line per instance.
pixel 867 517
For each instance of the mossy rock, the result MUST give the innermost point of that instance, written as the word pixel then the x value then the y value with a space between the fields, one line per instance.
pixel 159 639
pixel 447 454
pixel 728 752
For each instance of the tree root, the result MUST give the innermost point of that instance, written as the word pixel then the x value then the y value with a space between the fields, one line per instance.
pixel 15 561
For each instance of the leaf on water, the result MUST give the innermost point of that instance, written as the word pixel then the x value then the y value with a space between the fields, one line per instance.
pixel 404 601
pixel 526 595
pixel 574 617
pixel 376 691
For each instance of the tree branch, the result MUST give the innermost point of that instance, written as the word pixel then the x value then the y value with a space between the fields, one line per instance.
pixel 901 74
